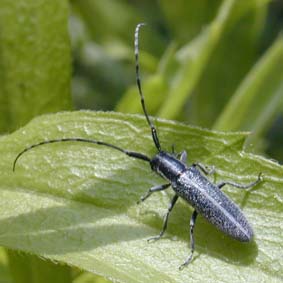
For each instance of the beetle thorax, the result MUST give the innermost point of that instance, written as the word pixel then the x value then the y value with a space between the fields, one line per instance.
pixel 167 165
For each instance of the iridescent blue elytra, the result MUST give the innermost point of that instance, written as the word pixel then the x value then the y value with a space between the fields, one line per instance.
pixel 189 183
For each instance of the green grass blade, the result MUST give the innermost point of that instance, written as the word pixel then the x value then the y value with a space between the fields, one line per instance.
pixel 259 96
pixel 194 56
pixel 77 203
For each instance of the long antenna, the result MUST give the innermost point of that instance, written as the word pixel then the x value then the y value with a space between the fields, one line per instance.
pixel 129 153
pixel 150 123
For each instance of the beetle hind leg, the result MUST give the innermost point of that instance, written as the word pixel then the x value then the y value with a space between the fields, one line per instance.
pixel 241 186
pixel 192 240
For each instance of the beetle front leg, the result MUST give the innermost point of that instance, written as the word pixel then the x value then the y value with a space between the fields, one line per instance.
pixel 152 190
pixel 183 156
pixel 171 205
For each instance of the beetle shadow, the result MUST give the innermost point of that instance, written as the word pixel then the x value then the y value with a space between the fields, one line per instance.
pixel 58 230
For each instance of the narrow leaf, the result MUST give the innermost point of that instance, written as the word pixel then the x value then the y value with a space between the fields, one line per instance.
pixel 259 96
pixel 194 56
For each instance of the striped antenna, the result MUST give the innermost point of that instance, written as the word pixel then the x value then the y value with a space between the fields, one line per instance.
pixel 150 123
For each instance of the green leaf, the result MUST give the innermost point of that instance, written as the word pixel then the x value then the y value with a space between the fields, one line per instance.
pixel 35 61
pixel 87 277
pixel 32 269
pixel 5 275
pixel 259 96
pixel 76 203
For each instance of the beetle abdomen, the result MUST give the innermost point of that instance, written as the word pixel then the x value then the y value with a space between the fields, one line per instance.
pixel 213 204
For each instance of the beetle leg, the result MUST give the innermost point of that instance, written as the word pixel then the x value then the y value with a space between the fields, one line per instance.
pixel 183 156
pixel 165 222
pixel 152 190
pixel 173 148
pixel 241 186
pixel 192 240
pixel 205 169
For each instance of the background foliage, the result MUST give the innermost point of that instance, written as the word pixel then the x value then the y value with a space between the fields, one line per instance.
pixel 214 64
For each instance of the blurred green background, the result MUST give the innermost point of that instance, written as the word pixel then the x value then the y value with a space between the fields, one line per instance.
pixel 213 64
pixel 195 56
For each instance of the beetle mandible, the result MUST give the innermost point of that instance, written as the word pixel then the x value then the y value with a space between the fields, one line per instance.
pixel 188 183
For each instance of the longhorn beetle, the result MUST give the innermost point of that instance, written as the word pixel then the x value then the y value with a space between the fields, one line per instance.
pixel 189 183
